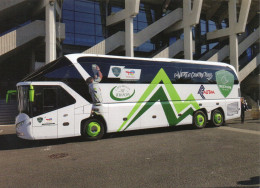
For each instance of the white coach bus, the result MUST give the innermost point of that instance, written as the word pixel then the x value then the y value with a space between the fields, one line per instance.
pixel 90 95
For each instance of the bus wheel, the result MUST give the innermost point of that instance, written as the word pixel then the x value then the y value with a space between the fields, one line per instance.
pixel 93 129
pixel 217 118
pixel 199 119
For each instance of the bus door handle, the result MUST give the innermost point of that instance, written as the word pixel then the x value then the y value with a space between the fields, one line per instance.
pixel 65 115
pixel 154 116
pixel 66 124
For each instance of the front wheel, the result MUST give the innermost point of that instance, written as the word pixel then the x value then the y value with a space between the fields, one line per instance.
pixel 199 119
pixel 93 129
pixel 217 118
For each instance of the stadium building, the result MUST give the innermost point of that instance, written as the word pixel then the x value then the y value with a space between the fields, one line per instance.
pixel 35 32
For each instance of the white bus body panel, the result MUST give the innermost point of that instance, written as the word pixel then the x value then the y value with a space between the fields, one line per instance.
pixel 66 119
pixel 45 126
pixel 154 117
pixel 117 113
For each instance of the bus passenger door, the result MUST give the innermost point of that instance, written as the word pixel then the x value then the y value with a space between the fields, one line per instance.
pixel 44 109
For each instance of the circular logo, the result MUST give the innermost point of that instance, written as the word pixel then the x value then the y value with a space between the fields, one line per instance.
pixel 121 93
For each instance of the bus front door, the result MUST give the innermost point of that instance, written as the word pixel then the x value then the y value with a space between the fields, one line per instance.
pixel 45 126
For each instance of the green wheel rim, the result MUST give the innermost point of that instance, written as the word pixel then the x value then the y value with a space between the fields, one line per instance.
pixel 200 120
pixel 217 118
pixel 93 129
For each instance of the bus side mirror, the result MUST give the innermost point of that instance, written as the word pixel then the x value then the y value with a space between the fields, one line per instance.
pixel 31 94
pixel 9 93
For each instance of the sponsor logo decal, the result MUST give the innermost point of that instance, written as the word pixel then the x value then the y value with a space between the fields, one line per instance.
pixel 209 92
pixel 39 119
pixel 131 73
pixel 181 74
pixel 168 104
pixel 48 121
pixel 121 93
pixel 203 92
pixel 116 71
pixel 225 82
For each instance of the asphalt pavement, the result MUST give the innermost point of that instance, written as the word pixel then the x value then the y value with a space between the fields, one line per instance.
pixel 181 156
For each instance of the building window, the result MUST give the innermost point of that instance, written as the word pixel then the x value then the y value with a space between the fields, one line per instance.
pixel 83 22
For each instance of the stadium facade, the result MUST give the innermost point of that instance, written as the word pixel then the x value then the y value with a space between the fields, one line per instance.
pixel 35 32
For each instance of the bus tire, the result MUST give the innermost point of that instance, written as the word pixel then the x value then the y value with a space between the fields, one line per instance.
pixel 199 119
pixel 217 118
pixel 93 129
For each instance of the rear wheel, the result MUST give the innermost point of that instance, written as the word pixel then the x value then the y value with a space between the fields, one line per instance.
pixel 93 129
pixel 217 118
pixel 199 119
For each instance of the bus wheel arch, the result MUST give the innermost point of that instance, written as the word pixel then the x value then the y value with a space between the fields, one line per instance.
pixel 217 117
pixel 101 118
pixel 200 118
pixel 93 128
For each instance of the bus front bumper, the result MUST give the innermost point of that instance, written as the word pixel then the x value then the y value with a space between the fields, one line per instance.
pixel 23 127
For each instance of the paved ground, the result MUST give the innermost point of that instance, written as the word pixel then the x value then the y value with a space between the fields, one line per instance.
pixel 228 156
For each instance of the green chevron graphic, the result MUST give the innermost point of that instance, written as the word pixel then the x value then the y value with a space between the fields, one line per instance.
pixel 160 95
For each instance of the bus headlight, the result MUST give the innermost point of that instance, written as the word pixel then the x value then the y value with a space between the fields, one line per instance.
pixel 22 123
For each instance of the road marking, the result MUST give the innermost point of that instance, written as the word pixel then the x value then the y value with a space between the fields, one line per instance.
pixel 7 125
pixel 240 130
pixel 48 148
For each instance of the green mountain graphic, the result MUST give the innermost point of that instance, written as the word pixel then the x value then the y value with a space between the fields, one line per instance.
pixel 160 95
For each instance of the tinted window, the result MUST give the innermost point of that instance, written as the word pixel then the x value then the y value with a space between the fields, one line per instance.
pixel 45 72
pixel 179 73
pixel 64 71
pixel 50 98
pixel 193 74
pixel 101 66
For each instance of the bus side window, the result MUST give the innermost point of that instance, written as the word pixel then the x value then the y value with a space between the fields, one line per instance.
pixel 65 99
pixel 49 99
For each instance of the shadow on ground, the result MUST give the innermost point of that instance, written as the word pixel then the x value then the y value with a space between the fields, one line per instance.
pixel 252 181
pixel 12 142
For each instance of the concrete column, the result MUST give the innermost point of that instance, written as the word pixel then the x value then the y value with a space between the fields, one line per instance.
pixel 188 43
pixel 236 26
pixel 187 30
pixel 233 50
pixel 233 42
pixel 127 14
pixel 50 29
pixel 129 37
pixel 191 17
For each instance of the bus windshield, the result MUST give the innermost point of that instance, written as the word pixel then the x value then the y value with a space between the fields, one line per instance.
pixel 23 97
